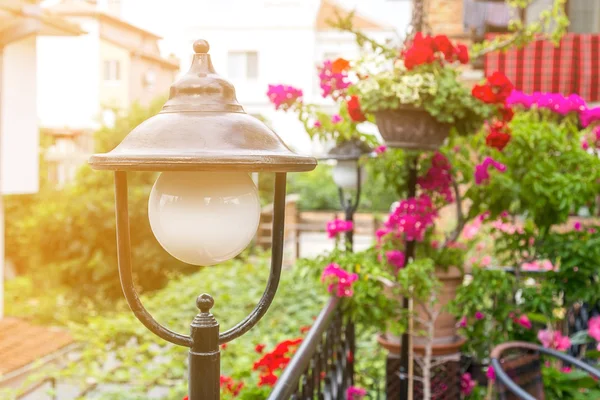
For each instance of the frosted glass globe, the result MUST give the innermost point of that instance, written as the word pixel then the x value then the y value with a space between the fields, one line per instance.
pixel 345 174
pixel 204 218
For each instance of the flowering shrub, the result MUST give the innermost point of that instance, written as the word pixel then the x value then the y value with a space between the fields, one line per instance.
pixel 338 280
pixel 335 83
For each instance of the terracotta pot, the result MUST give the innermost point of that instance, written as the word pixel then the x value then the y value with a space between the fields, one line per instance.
pixel 411 128
pixel 445 324
pixel 445 334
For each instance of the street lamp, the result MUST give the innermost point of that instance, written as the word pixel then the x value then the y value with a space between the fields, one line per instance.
pixel 349 176
pixel 204 207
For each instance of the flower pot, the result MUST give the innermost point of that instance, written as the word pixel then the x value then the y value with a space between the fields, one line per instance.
pixel 445 324
pixel 411 128
pixel 445 338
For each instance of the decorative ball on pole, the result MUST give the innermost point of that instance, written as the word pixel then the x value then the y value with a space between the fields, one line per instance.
pixel 204 145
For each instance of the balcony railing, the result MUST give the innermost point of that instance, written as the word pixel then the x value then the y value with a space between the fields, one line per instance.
pixel 323 366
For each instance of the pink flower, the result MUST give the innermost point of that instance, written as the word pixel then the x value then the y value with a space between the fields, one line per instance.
pixel 479 315
pixel 337 226
pixel 594 328
pixel 411 218
pixel 463 322
pixel 333 84
pixel 554 340
pixel 317 124
pixel 339 281
pixel 283 96
pixel 485 261
pixel 379 150
pixel 395 258
pixel 336 119
pixel 482 174
pixel 545 265
pixel 471 230
pixel 355 393
pixel 589 116
pixel 565 370
pixel 467 384
pixel 491 374
pixel 438 178
pixel 577 226
pixel 524 321
pixel 585 145
pixel 380 233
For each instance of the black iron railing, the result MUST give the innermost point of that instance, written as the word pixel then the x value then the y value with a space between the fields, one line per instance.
pixel 323 366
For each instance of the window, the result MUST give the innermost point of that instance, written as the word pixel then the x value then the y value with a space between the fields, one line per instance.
pixel 584 16
pixel 149 79
pixel 242 65
pixel 112 70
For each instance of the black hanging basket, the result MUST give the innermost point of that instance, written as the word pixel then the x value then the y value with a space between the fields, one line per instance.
pixel 412 128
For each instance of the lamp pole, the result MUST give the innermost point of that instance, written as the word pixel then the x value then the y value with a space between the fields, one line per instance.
pixel 205 146
pixel 350 207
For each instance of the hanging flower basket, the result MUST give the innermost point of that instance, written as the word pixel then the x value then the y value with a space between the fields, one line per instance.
pixel 412 128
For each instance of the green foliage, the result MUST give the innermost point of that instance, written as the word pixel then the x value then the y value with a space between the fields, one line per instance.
pixel 575 385
pixel 370 305
pixel 577 254
pixel 67 238
pixel 490 293
pixel 318 191
pixel 548 174
pixel 117 348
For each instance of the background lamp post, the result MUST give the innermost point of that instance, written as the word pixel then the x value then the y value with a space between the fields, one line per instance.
pixel 204 207
pixel 349 176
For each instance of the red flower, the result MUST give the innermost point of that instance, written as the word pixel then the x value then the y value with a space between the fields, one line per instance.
pixel 443 44
pixel 223 346
pixel 462 53
pixel 499 136
pixel 304 329
pixel 354 110
pixel 224 380
pixel 268 379
pixel 484 93
pixel 418 55
pixel 495 91
pixel 498 140
pixel 259 348
pixel 422 41
pixel 350 356
pixel 507 114
pixel 501 85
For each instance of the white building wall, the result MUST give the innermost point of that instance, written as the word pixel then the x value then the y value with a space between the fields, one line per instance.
pixel 19 141
pixel 68 79
pixel 19 135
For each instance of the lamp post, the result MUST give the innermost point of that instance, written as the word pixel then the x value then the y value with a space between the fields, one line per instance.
pixel 348 175
pixel 205 146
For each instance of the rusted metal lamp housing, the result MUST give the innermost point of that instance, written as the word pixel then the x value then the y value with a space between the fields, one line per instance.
pixel 201 127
